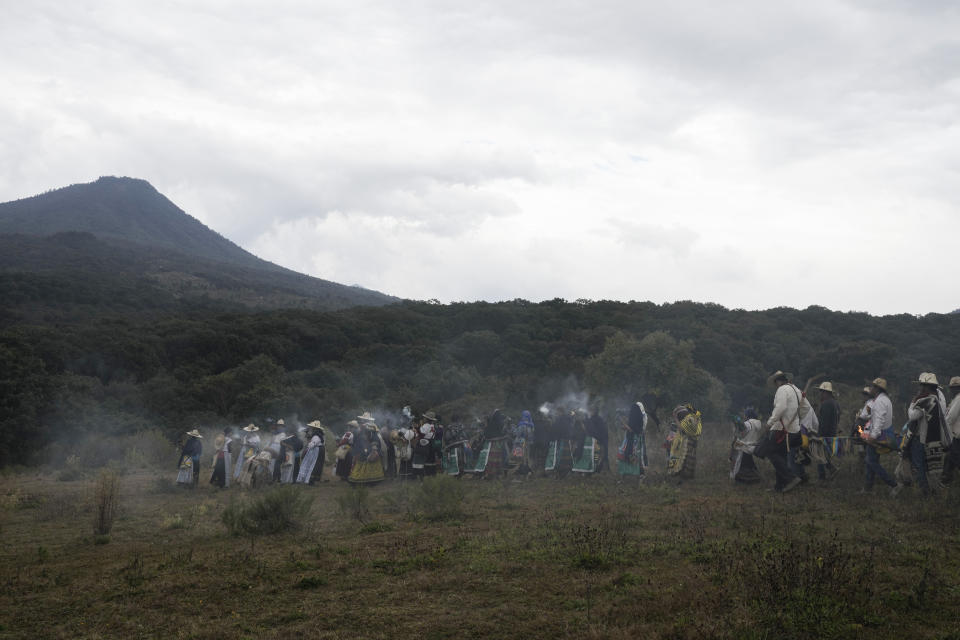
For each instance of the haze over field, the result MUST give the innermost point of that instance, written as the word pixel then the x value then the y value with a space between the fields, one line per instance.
pixel 749 154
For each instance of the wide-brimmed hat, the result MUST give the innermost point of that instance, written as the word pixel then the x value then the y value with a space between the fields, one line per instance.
pixel 251 427
pixel 928 378
pixel 779 374
pixel 194 433
pixel 280 422
pixel 954 382
pixel 866 391
pixel 429 415
pixel 366 416
pixel 880 383
pixel 316 424
pixel 826 386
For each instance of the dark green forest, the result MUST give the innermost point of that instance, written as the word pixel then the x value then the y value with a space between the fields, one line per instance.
pixel 66 375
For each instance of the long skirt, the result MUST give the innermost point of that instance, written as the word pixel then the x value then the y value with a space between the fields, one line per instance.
pixel 185 473
pixel 744 468
pixel 559 456
pixel 245 454
pixel 219 475
pixel 344 465
pixel 306 467
pixel 492 459
pixel 589 460
pixel 683 457
pixel 631 457
pixel 454 463
pixel 366 472
pixel 317 474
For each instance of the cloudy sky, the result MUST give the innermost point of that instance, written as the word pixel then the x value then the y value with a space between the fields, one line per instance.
pixel 753 154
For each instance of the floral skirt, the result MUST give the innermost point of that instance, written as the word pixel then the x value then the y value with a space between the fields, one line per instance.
pixel 683 457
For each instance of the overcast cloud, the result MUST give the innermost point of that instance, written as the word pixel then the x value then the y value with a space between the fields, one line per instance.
pixel 753 154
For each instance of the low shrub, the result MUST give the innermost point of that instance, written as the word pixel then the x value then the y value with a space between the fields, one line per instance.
pixel 438 498
pixel 106 500
pixel 355 503
pixel 277 511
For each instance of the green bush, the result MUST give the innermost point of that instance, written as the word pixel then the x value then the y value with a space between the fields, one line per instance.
pixel 280 510
pixel 438 498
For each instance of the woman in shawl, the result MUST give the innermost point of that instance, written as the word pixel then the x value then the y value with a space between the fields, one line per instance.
pixel 424 462
pixel 189 463
pixel 402 440
pixel 222 457
pixel 344 453
pixel 632 456
pixel 249 448
pixel 455 449
pixel 493 453
pixel 747 433
pixel 683 450
pixel 521 451
pixel 311 469
pixel 564 437
pixel 367 456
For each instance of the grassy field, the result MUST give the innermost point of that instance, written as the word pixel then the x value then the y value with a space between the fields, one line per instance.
pixel 585 557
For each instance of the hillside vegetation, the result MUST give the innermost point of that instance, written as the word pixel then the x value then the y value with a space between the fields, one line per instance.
pixel 117 373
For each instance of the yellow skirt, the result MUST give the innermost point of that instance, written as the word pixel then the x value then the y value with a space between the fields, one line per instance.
pixel 366 472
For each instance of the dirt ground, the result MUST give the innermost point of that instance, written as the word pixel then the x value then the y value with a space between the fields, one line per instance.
pixel 584 556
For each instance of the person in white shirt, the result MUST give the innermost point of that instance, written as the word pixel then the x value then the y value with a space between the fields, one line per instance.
pixel 952 460
pixel 881 418
pixel 784 426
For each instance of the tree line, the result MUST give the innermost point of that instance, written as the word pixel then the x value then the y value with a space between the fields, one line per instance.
pixel 117 373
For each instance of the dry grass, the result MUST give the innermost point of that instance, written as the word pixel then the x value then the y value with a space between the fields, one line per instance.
pixel 581 557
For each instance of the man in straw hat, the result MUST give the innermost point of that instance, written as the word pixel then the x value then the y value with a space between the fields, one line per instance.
pixel 927 427
pixel 189 463
pixel 249 447
pixel 952 460
pixel 311 469
pixel 881 419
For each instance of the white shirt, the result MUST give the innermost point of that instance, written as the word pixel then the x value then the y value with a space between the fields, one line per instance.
pixel 881 415
pixel 314 442
pixel 789 407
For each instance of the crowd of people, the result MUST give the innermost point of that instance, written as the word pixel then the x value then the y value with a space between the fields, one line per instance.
pixel 796 435
pixel 567 439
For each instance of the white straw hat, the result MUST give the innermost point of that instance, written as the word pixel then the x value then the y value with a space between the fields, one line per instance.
pixel 194 433
pixel 928 378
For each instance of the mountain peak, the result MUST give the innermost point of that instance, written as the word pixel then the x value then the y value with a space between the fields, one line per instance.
pixel 118 208
pixel 130 214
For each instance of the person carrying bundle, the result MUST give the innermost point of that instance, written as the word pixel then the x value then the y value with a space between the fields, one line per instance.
pixel 189 463
pixel 927 430
pixel 682 462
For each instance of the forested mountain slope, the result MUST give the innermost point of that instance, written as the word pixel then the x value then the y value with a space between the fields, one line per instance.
pixel 115 237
